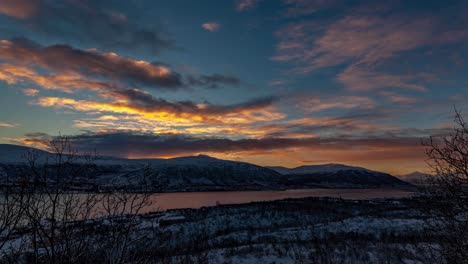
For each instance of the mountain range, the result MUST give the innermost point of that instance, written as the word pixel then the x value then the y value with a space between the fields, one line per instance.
pixel 416 177
pixel 204 173
pixel 336 176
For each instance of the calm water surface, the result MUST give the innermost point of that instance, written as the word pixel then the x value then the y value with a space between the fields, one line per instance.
pixel 199 199
pixel 179 200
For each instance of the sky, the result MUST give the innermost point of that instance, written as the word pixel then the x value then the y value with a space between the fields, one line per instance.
pixel 271 82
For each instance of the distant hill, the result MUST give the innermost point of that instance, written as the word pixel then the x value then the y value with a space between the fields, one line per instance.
pixel 15 154
pixel 416 177
pixel 204 173
pixel 195 173
pixel 331 167
pixel 337 176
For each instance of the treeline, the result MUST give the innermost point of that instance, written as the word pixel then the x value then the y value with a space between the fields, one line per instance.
pixel 41 221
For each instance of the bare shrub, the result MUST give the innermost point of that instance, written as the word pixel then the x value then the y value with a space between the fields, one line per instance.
pixel 446 198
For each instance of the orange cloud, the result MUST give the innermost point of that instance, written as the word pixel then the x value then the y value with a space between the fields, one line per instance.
pixel 372 153
pixel 20 9
pixel 65 82
pixel 8 125
pixel 65 60
pixel 169 113
pixel 130 123
pixel 138 103
pixel 30 92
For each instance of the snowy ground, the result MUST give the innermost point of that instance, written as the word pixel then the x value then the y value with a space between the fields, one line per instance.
pixel 294 231
pixel 309 230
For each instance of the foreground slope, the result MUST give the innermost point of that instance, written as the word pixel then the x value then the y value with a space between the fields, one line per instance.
pixel 308 230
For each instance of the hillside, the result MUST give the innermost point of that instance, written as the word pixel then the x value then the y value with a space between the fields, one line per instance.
pixel 337 176
pixel 204 173
pixel 416 177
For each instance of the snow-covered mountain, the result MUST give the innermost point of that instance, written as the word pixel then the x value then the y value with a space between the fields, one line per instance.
pixel 416 177
pixel 337 176
pixel 12 154
pixel 195 173
pixel 331 168
pixel 204 173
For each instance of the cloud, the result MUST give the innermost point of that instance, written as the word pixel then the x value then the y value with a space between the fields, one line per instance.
pixel 146 101
pixel 213 81
pixel 243 5
pixel 130 123
pixel 266 122
pixel 379 152
pixel 185 113
pixel 368 39
pixel 30 92
pixel 92 23
pixel 399 99
pixel 315 104
pixel 2 124
pixel 109 75
pixel 70 68
pixel 359 125
pixel 357 78
pixel 63 59
pixel 277 82
pixel 135 144
pixel 363 42
pixel 211 26
pixel 67 82
pixel 296 8
pixel 20 9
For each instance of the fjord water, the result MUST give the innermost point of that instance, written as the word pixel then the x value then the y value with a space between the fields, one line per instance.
pixel 195 200
pixel 179 200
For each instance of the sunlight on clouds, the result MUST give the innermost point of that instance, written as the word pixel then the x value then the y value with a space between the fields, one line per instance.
pixel 90 65
pixel 3 124
pixel 68 83
pixel 240 116
pixel 30 92
pixel 324 81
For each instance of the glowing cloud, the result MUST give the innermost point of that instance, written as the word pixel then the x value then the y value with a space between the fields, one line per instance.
pixel 2 124
pixel 211 26
pixel 182 113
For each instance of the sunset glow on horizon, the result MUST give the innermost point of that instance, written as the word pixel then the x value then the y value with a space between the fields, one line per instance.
pixel 274 83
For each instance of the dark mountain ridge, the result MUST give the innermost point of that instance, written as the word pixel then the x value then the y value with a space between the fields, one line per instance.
pixel 417 177
pixel 337 176
pixel 205 173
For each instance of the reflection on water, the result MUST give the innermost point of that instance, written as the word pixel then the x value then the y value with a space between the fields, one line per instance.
pixel 179 200
pixel 199 199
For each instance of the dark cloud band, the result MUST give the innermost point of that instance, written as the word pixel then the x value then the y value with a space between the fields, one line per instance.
pixel 124 144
